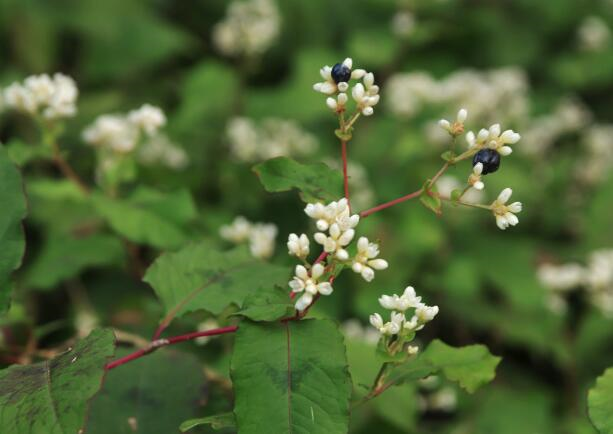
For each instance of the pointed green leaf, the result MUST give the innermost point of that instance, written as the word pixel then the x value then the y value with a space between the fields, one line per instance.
pixel 199 277
pixel 429 200
pixel 290 377
pixel 316 182
pixel 12 241
pixel 600 403
pixel 219 421
pixel 151 395
pixel 267 304
pixel 52 397
pixel 149 217
pixel 471 366
pixel 63 257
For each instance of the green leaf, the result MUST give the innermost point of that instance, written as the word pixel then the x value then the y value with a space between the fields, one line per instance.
pixel 219 421
pixel 600 403
pixel 447 155
pixel 471 366
pixel 149 217
pixel 22 153
pixel 52 397
pixel 430 201
pixel 316 182
pixel 290 377
pixel 268 304
pixel 151 395
pixel 199 277
pixel 12 240
pixel 63 257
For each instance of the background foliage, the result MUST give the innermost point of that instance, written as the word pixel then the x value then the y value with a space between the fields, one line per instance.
pixel 77 271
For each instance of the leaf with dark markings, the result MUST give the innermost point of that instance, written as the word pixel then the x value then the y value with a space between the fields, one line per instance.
pixel 290 377
pixel 52 397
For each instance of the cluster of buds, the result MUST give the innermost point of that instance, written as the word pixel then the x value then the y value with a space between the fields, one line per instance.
pixel 486 148
pixel 260 236
pixel 336 84
pixel 43 96
pixel 336 230
pixel 119 137
pixel 399 330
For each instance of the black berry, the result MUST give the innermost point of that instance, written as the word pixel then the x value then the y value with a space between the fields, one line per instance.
pixel 489 158
pixel 340 73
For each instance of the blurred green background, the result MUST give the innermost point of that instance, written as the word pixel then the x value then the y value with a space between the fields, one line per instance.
pixel 543 68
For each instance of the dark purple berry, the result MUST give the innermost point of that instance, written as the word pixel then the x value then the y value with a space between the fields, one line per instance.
pixel 340 73
pixel 490 159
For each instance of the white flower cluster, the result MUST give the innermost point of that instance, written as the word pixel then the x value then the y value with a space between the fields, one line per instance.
pixel 336 84
pixel 596 278
pixel 595 165
pixel 249 28
pixel 336 226
pixel 593 34
pixel 137 132
pixel 260 236
pixel 492 138
pixel 542 132
pixel 505 90
pixel 399 324
pixel 41 95
pixel 403 24
pixel 273 137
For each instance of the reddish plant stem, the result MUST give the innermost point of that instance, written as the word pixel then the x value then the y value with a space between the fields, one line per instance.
pixel 67 169
pixel 159 343
pixel 390 203
pixel 345 176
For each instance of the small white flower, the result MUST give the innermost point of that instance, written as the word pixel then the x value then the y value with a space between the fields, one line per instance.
pixel 338 104
pixel 329 86
pixel 475 178
pixel 298 245
pixel 425 313
pixel 505 214
pixel 262 240
pixel 499 141
pixel 249 28
pixel 53 98
pixel 365 261
pixel 113 132
pixel 309 285
pixel 394 302
pixel 366 95
pixel 334 212
pixel 457 127
pixel 336 242
pixel 412 350
pixel 148 118
pixel 376 321
pixel 238 231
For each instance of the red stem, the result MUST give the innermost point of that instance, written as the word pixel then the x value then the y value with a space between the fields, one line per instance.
pixel 390 203
pixel 345 176
pixel 154 345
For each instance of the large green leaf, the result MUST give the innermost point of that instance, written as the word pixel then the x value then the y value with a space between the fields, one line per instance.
pixel 152 395
pixel 316 182
pixel 64 257
pixel 268 304
pixel 290 377
pixel 52 397
pixel 12 241
pixel 149 217
pixel 200 277
pixel 600 403
pixel 471 366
